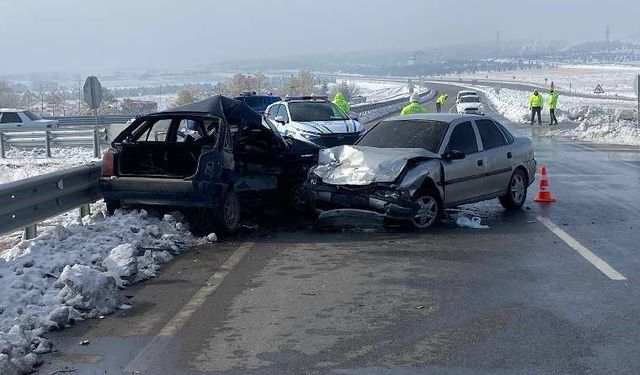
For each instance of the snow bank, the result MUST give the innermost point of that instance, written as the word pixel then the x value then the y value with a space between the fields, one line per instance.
pixel 21 163
pixel 75 271
pixel 596 120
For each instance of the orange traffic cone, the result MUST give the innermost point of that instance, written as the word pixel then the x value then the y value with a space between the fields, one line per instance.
pixel 544 195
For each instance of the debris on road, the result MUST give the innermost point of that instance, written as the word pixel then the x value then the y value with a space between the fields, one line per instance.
pixel 473 223
pixel 308 293
pixel 84 342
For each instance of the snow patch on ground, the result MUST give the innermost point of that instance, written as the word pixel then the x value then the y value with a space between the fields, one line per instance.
pixel 75 271
pixel 22 163
pixel 596 120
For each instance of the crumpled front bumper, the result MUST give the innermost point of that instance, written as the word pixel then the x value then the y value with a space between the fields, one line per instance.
pixel 328 200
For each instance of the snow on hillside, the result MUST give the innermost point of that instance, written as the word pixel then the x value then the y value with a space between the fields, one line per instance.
pixel 24 163
pixel 76 271
pixel 614 79
pixel 596 120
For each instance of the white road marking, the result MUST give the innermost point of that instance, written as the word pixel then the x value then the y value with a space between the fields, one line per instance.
pixel 160 343
pixel 592 258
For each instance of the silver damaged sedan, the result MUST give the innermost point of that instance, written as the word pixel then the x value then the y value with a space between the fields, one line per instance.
pixel 410 168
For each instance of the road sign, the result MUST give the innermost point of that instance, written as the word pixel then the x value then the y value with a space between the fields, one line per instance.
pixel 92 92
pixel 598 90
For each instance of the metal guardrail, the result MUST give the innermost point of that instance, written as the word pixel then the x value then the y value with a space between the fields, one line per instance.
pixel 364 109
pixel 103 120
pixel 49 138
pixel 24 203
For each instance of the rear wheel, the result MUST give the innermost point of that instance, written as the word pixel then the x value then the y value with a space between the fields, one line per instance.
pixel 516 192
pixel 429 212
pixel 299 198
pixel 112 206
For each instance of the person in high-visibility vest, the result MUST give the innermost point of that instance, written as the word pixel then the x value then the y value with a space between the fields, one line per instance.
pixel 535 103
pixel 341 102
pixel 440 102
pixel 414 106
pixel 553 104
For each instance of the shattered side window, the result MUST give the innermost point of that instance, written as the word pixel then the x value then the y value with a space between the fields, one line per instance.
pixel 157 132
pixel 189 130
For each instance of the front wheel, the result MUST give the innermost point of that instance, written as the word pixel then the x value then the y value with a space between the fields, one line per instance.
pixel 228 213
pixel 516 192
pixel 429 212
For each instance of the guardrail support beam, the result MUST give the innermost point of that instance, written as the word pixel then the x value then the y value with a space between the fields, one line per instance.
pixel 31 231
pixel 2 145
pixel 47 143
pixel 85 210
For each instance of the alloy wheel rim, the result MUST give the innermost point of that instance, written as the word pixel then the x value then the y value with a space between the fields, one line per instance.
pixel 427 212
pixel 517 188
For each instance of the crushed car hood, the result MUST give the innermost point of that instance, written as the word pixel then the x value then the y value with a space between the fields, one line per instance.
pixel 361 165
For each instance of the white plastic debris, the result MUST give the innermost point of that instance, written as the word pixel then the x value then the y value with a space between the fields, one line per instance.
pixel 212 237
pixel 473 223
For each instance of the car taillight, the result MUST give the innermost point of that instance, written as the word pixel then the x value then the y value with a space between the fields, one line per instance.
pixel 109 163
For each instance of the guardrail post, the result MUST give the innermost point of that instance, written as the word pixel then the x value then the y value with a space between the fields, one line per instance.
pixel 47 143
pixel 96 144
pixel 31 231
pixel 85 210
pixel 1 145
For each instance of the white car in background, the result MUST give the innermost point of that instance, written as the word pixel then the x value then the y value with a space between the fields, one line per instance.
pixel 463 93
pixel 469 104
pixel 17 119
pixel 315 120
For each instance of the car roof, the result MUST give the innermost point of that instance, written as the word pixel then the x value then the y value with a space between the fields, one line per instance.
pixel 11 110
pixel 442 117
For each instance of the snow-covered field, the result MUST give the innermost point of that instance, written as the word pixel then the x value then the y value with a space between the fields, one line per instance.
pixel 376 91
pixel 596 120
pixel 76 271
pixel 614 79
pixel 23 163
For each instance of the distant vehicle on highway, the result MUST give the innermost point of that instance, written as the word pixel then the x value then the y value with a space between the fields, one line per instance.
pixel 463 93
pixel 210 158
pixel 315 120
pixel 470 104
pixel 17 119
pixel 258 103
pixel 411 168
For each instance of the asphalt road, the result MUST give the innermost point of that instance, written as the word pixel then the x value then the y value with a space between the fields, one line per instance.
pixel 552 289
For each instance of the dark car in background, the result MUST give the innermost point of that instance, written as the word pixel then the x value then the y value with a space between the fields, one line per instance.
pixel 258 103
pixel 410 168
pixel 210 158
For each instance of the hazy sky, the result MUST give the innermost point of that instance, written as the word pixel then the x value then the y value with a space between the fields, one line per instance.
pixel 87 35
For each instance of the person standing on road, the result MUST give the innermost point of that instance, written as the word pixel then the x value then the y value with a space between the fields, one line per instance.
pixel 535 103
pixel 341 102
pixel 553 104
pixel 414 106
pixel 440 102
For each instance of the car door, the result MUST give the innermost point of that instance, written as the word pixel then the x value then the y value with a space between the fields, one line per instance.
pixel 498 156
pixel 283 128
pixel 10 120
pixel 463 179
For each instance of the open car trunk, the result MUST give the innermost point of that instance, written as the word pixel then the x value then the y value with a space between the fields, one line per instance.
pixel 161 159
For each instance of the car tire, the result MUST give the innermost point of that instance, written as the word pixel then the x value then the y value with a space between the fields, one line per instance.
pixel 227 215
pixel 112 206
pixel 516 191
pixel 298 198
pixel 430 211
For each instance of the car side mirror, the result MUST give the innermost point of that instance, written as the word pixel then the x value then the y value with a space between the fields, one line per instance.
pixel 280 119
pixel 353 116
pixel 453 155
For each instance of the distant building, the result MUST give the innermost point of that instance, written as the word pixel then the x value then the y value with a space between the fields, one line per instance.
pixel 136 107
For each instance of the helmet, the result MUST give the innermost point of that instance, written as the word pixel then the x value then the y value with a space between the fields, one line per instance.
pixel 446 95
pixel 414 98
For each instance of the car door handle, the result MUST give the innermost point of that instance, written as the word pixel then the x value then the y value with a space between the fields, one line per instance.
pixel 480 163
pixel 509 156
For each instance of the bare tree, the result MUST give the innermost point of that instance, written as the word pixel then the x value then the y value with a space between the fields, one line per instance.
pixel 304 83
pixel 186 96
pixel 349 89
